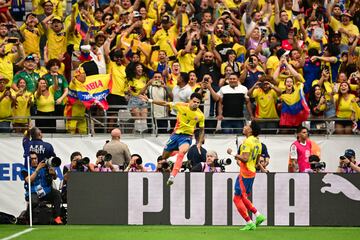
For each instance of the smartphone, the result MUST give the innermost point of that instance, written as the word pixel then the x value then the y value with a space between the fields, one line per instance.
pixel 155 48
pixel 12 40
pixel 172 58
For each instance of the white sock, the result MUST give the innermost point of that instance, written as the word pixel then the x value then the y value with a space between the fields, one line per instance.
pixel 250 221
pixel 257 213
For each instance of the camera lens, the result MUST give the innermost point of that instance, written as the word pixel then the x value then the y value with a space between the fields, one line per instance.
pixel 138 161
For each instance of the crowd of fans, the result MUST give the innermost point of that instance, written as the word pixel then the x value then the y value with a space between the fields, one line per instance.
pixel 250 59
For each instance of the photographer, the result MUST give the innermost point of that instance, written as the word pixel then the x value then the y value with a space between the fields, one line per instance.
pixel 315 165
pixel 41 177
pixel 135 164
pixel 104 163
pixel 262 164
pixel 78 164
pixel 347 163
pixel 212 164
pixel 163 165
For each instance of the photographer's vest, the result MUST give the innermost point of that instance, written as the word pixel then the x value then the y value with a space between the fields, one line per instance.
pixel 40 186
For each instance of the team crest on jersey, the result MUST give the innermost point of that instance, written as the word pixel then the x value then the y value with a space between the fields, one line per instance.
pixel 196 118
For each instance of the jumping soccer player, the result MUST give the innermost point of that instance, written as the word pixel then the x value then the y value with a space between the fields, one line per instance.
pixel 188 116
pixel 250 151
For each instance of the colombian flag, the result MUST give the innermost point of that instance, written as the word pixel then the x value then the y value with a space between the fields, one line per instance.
pixel 81 25
pixel 294 109
pixel 94 90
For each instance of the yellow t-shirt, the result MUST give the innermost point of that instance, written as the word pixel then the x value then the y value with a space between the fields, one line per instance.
pixel 136 85
pixel 22 108
pixel 56 43
pixel 5 107
pixel 251 145
pixel 351 28
pixel 32 40
pixel 314 44
pixel 272 64
pixel 265 104
pixel 119 81
pixel 46 104
pixel 6 67
pixel 187 119
pixel 344 108
pixel 151 10
pixel 186 61
pixel 58 7
pixel 41 71
pixel 161 37
pixel 147 25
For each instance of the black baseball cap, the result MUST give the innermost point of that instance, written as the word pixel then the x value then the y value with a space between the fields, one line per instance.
pixel 349 153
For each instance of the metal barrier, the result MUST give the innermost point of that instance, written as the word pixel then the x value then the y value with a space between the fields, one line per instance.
pixel 100 121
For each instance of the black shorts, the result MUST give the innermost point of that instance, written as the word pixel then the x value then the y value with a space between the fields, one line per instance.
pixel 345 123
pixel 113 99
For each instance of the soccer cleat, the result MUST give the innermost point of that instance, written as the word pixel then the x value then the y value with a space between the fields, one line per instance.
pixel 260 219
pixel 170 181
pixel 249 226
pixel 58 221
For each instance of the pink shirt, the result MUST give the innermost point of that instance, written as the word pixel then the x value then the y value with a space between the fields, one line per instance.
pixel 301 152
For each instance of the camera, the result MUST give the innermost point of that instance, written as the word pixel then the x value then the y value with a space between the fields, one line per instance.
pixel 53 162
pixel 138 161
pixel 80 164
pixel 222 162
pixel 342 157
pixel 317 165
pixel 107 157
pixel 179 3
pixel 206 79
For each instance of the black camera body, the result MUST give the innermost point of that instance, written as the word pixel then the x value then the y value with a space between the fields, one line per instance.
pixel 317 165
pixel 80 164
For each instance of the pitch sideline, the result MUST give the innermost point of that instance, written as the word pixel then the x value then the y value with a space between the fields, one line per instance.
pixel 18 234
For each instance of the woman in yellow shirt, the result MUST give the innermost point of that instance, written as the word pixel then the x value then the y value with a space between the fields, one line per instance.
pixel 21 108
pixel 45 104
pixel 343 100
pixel 138 107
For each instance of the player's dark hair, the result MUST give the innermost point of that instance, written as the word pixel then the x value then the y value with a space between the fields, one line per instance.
pixel 300 128
pixel 196 95
pixel 255 128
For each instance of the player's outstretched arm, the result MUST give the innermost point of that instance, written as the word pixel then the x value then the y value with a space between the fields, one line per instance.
pixel 157 102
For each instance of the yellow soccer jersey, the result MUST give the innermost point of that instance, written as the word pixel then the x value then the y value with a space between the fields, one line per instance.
pixel 187 119
pixel 251 145
pixel 119 86
pixel 22 107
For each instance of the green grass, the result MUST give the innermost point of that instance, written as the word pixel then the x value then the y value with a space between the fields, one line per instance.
pixel 88 232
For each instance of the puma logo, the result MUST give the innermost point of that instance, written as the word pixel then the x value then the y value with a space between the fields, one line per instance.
pixel 336 184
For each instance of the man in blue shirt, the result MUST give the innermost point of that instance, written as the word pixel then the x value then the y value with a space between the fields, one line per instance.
pixel 41 177
pixel 44 150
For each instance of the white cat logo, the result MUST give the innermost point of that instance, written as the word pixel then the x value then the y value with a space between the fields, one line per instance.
pixel 339 184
